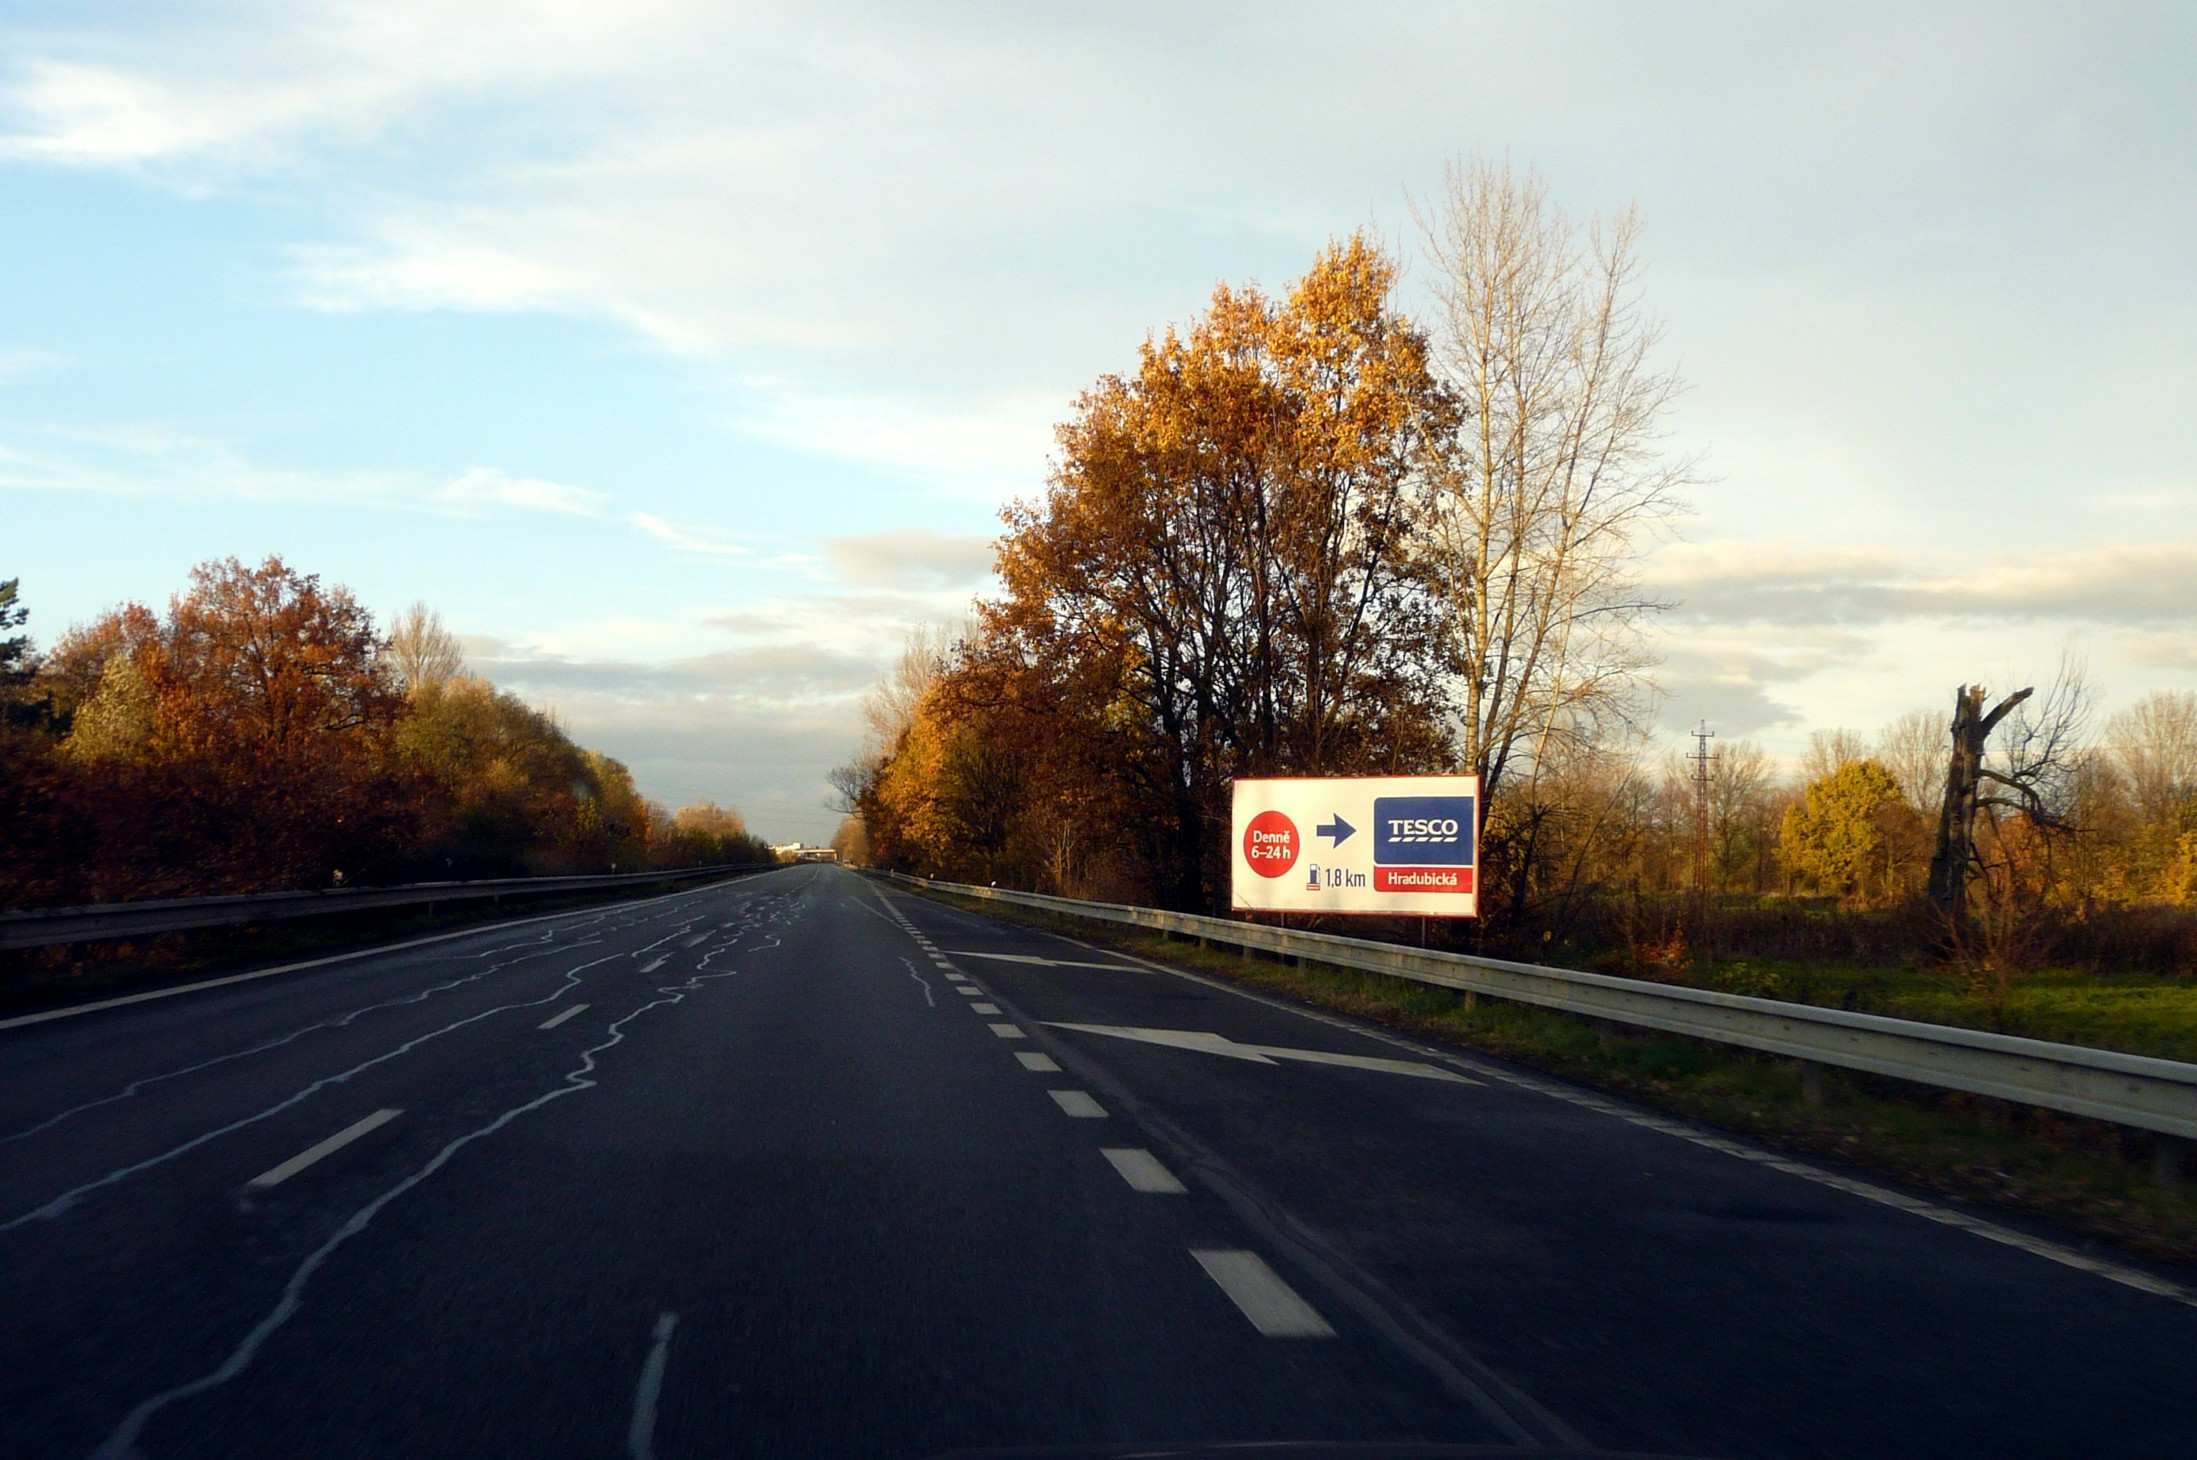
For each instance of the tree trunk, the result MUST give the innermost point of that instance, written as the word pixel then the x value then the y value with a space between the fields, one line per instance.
pixel 1955 856
pixel 1956 816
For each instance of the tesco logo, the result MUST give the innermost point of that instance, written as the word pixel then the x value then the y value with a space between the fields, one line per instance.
pixel 1423 829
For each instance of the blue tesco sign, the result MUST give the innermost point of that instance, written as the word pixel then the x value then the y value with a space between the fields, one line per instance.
pixel 1422 831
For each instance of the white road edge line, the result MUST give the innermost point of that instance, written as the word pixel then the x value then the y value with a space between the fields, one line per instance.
pixel 276 1175
pixel 1078 1103
pixel 1032 1060
pixel 214 983
pixel 555 1019
pixel 1142 1170
pixel 1260 1294
pixel 641 1434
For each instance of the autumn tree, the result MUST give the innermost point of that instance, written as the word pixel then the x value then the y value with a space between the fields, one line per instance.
pixel 266 665
pixel 510 787
pixel 1555 478
pixel 17 664
pixel 1232 531
pixel 852 842
pixel 1844 832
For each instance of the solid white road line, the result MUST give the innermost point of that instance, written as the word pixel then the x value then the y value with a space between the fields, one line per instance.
pixel 1078 1104
pixel 641 1434
pixel 984 1008
pixel 1142 1170
pixel 1271 1304
pixel 554 1020
pixel 214 983
pixel 1038 962
pixel 1009 1031
pixel 652 967
pixel 1032 1060
pixel 275 1176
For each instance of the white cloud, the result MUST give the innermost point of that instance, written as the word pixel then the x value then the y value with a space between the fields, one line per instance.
pixel 485 486
pixel 911 556
pixel 980 446
pixel 686 539
pixel 250 92
pixel 15 363
pixel 154 459
pixel 1734 582
pixel 431 274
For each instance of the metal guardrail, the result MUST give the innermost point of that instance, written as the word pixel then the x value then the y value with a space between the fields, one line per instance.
pixel 45 927
pixel 2125 1089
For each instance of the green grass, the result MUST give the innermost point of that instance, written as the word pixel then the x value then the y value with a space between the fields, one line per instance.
pixel 2086 1176
pixel 2137 1014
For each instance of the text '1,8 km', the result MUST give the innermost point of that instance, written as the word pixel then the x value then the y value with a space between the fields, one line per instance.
pixel 1358 844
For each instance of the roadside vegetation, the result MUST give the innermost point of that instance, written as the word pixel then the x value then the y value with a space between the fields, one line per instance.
pixel 266 734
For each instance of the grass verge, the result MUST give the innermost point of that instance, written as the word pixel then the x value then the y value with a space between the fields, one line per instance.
pixel 2133 1013
pixel 2088 1177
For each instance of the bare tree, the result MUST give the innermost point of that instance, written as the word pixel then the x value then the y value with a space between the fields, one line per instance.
pixel 424 651
pixel 890 706
pixel 1912 748
pixel 2033 780
pixel 1742 824
pixel 888 710
pixel 1831 751
pixel 1556 473
pixel 2154 745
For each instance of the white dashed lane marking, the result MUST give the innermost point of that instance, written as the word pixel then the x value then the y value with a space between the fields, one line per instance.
pixel 275 1176
pixel 985 1008
pixel 641 1432
pixel 1142 1170
pixel 1260 1294
pixel 555 1019
pixel 1009 1031
pixel 1078 1104
pixel 1032 1060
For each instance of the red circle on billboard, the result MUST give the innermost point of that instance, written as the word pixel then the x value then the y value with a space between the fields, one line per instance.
pixel 1270 844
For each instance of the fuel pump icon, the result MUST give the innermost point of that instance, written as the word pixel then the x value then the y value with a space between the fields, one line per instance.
pixel 1312 877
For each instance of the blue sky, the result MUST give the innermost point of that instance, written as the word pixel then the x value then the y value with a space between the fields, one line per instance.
pixel 683 354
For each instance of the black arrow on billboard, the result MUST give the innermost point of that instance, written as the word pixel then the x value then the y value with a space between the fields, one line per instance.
pixel 1338 829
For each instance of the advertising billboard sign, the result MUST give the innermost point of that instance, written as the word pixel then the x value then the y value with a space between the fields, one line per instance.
pixel 1357 844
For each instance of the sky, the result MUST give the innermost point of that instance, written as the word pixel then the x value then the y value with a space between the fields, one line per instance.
pixel 683 355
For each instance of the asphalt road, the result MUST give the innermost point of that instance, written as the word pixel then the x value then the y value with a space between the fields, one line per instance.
pixel 800 1166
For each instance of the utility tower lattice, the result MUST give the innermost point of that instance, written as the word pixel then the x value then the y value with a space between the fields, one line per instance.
pixel 1702 757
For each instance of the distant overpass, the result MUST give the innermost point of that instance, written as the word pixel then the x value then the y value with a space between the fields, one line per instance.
pixel 798 852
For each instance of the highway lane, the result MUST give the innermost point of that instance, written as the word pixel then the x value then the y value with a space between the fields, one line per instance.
pixel 802 1166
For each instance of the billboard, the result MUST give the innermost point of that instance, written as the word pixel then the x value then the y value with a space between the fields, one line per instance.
pixel 1357 844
